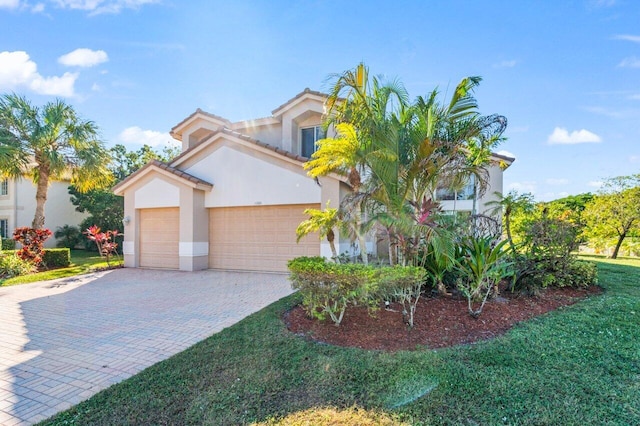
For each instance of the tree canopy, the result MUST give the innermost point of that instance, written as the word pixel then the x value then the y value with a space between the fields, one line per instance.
pixel 50 142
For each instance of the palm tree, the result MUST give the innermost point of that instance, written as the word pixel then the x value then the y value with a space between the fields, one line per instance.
pixel 323 222
pixel 509 204
pixel 47 143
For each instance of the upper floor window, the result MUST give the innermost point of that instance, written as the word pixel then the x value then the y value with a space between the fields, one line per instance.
pixel 467 192
pixel 308 138
pixel 4 187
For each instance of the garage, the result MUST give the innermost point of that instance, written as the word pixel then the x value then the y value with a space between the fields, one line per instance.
pixel 159 237
pixel 258 238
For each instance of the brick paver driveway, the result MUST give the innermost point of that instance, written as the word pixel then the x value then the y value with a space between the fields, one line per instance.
pixel 63 341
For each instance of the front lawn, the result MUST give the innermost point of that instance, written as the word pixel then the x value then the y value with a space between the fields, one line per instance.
pixel 82 262
pixel 576 366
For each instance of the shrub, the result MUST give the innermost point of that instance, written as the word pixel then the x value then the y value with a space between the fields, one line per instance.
pixel 483 266
pixel 12 266
pixel 68 236
pixel 328 288
pixel 581 273
pixel 8 244
pixel 56 258
pixel 32 241
pixel 403 284
pixel 105 241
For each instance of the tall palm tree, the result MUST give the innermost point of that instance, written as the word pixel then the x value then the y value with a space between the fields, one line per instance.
pixel 48 143
pixel 509 204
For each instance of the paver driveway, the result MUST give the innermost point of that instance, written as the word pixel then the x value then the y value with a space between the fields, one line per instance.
pixel 63 341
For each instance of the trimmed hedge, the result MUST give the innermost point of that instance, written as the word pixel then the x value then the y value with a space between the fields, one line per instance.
pixel 8 244
pixel 57 258
pixel 329 288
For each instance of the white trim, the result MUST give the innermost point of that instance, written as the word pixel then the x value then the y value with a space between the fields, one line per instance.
pixel 128 247
pixel 193 249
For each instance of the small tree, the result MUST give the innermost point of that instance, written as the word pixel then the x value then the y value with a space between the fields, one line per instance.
pixel 323 222
pixel 68 236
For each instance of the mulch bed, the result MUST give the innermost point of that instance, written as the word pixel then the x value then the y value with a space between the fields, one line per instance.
pixel 439 321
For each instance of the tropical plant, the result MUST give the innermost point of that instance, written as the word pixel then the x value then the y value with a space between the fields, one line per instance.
pixel 323 222
pixel 47 143
pixel 509 204
pixel 105 241
pixel 404 284
pixel 396 153
pixel 483 265
pixel 68 236
pixel 32 241
pixel 11 265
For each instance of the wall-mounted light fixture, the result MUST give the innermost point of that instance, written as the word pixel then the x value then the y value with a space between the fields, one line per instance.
pixel 126 220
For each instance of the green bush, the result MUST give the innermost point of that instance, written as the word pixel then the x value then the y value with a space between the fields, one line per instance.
pixel 581 273
pixel 12 266
pixel 68 236
pixel 8 244
pixel 329 288
pixel 56 258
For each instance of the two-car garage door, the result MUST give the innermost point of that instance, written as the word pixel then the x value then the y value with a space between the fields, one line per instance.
pixel 258 238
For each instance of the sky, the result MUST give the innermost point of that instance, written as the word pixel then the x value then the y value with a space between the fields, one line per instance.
pixel 566 74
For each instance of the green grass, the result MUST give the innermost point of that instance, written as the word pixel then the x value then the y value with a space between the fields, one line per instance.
pixel 579 365
pixel 82 262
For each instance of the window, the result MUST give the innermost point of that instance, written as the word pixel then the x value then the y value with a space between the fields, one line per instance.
pixel 4 187
pixel 4 228
pixel 467 192
pixel 308 138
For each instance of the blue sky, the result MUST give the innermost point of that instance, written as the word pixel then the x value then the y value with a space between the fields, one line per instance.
pixel 566 74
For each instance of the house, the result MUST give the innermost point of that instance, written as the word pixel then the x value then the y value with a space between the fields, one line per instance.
pixel 18 205
pixel 235 195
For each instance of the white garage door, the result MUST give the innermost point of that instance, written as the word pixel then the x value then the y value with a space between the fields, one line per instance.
pixel 260 238
pixel 159 237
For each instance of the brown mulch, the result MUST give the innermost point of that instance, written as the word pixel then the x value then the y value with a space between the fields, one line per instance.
pixel 439 321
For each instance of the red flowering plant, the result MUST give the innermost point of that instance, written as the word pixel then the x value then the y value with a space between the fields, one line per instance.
pixel 105 241
pixel 32 241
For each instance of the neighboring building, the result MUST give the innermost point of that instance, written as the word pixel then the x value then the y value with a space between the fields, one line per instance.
pixel 235 195
pixel 18 205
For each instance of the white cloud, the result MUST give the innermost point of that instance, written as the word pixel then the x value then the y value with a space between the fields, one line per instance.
pixel 552 181
pixel 523 187
pixel 83 58
pixel 18 71
pixel 634 159
pixel 37 8
pixel 96 7
pixel 627 37
pixel 630 62
pixel 136 135
pixel 506 153
pixel 96 87
pixel 595 183
pixel 561 136
pixel 506 64
pixel 9 4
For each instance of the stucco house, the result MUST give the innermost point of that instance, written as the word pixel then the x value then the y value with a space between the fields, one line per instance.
pixel 18 205
pixel 235 195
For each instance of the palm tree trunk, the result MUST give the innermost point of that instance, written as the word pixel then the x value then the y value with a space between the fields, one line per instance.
pixel 41 198
pixel 331 236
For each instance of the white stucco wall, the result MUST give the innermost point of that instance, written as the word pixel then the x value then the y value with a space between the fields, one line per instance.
pixel 241 179
pixel 19 206
pixel 157 193
pixel 271 134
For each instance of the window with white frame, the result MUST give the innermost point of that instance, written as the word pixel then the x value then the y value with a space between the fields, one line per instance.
pixel 4 228
pixel 308 138
pixel 467 192
pixel 4 187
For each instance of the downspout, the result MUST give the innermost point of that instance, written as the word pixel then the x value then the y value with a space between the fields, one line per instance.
pixel 15 204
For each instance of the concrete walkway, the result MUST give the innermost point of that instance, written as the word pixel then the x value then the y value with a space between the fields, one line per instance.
pixel 63 341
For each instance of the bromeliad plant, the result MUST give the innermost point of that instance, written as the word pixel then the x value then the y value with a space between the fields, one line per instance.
pixel 105 241
pixel 483 265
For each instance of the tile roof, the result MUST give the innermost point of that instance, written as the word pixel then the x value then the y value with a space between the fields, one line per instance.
pixel 193 114
pixel 164 166
pixel 299 95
